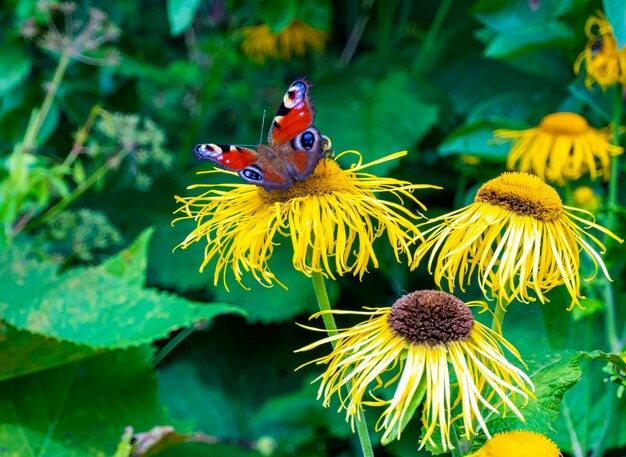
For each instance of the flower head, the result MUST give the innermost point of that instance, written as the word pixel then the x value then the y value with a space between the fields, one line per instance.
pixel 429 347
pixel 294 39
pixel 331 218
pixel 518 237
pixel 604 61
pixel 586 198
pixel 561 148
pixel 518 443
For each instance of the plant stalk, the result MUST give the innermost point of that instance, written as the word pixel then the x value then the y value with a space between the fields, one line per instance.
pixel 30 138
pixel 331 328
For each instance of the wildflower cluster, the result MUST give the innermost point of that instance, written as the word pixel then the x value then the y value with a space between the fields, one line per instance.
pixel 426 355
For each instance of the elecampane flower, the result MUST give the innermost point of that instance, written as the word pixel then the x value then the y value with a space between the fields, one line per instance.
pixel 519 443
pixel 605 62
pixel 563 147
pixel 586 198
pixel 294 39
pixel 431 350
pixel 518 237
pixel 332 219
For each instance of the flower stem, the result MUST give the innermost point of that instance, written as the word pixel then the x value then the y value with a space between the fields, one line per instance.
pixel 31 134
pixel 331 328
pixel 498 318
pixel 618 101
pixel 609 296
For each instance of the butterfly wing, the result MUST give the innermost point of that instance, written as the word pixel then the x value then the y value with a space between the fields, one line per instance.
pixel 295 114
pixel 295 145
pixel 233 158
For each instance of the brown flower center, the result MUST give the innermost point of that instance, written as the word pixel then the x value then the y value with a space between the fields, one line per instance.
pixel 430 316
pixel 524 194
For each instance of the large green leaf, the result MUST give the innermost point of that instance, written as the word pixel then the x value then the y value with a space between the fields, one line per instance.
pixel 22 353
pixel 374 116
pixel 92 306
pixel 81 409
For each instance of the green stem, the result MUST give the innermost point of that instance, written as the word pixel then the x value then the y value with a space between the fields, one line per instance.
pixel 159 356
pixel 618 103
pixel 498 318
pixel 331 328
pixel 576 446
pixel 431 35
pixel 612 205
pixel 610 319
pixel 33 130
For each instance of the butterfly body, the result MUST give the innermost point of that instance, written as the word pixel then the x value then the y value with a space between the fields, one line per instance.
pixel 295 145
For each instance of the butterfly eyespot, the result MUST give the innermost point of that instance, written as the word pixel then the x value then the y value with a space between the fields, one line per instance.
pixel 308 139
pixel 252 174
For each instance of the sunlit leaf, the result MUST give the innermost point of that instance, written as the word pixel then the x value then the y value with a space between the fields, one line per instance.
pixel 92 306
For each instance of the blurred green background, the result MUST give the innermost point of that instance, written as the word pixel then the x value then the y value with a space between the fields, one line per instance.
pixel 104 326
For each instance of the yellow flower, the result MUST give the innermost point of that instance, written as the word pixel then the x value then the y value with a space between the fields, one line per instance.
pixel 517 237
pixel 584 197
pixel 294 39
pixel 518 443
pixel 429 347
pixel 604 61
pixel 331 218
pixel 561 148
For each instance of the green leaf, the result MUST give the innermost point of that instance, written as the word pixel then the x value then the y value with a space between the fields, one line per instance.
pixel 416 400
pixel 23 353
pixel 592 412
pixel 81 409
pixel 90 305
pixel 180 14
pixel 616 14
pixel 505 16
pixel 477 138
pixel 375 117
pixel 15 66
pixel 553 375
pixel 528 38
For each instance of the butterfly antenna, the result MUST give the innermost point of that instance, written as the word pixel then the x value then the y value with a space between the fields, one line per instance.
pixel 262 127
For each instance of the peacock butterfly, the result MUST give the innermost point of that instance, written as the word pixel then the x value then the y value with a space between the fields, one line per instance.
pixel 294 150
